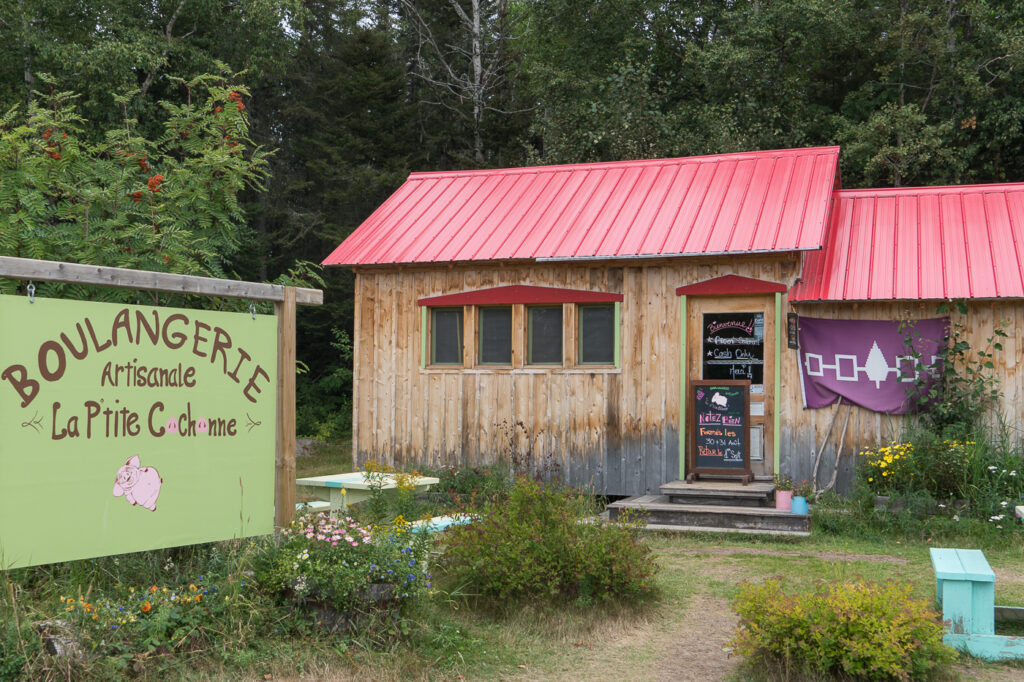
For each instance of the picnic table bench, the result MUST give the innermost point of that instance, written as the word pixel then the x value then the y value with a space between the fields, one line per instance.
pixel 342 490
pixel 965 587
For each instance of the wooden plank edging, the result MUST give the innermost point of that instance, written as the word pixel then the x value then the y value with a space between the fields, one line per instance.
pixel 125 278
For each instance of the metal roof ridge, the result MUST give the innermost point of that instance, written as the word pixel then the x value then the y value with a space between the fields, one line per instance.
pixel 556 168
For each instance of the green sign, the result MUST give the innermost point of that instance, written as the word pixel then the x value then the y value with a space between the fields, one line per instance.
pixel 125 428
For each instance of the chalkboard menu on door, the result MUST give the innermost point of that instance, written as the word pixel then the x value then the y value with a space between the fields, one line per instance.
pixel 734 347
pixel 719 428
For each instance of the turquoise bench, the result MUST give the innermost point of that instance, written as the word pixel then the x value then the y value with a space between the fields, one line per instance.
pixel 439 523
pixel 965 588
pixel 312 506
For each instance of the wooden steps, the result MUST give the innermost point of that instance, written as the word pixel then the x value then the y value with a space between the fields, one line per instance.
pixel 715 506
pixel 726 493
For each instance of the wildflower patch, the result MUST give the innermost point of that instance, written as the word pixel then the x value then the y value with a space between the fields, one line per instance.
pixel 332 561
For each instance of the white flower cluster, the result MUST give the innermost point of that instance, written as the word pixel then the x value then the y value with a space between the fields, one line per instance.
pixel 301 556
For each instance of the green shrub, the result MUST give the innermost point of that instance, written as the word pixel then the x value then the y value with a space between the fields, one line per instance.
pixel 465 487
pixel 860 629
pixel 534 545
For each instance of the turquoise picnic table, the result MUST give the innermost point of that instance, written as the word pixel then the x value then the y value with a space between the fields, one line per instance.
pixel 965 591
pixel 341 490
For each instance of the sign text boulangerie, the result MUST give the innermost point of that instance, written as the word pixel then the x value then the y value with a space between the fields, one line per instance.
pixel 129 428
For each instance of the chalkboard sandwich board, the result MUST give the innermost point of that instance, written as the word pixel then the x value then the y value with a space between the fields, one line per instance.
pixel 719 425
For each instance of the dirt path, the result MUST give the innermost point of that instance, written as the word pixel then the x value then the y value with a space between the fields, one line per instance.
pixel 689 649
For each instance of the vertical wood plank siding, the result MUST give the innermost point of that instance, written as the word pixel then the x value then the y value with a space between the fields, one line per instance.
pixel 614 430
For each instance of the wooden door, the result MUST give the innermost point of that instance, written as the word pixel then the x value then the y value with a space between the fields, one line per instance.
pixel 733 337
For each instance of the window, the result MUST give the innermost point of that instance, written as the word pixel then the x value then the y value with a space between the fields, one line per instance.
pixel 544 335
pixel 516 327
pixel 597 334
pixel 446 336
pixel 495 335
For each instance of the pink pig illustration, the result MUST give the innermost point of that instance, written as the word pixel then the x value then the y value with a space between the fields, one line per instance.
pixel 140 486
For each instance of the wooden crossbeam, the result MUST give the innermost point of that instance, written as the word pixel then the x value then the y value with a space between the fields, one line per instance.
pixel 124 278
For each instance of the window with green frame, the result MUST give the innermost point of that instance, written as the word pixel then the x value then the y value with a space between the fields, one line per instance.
pixel 596 334
pixel 446 336
pixel 544 335
pixel 495 335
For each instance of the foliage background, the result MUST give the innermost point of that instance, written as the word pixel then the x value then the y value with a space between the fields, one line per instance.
pixel 352 95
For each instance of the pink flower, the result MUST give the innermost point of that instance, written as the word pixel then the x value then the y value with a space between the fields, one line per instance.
pixel 355 544
pixel 309 535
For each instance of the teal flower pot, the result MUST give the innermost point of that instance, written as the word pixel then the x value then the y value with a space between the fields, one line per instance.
pixel 799 505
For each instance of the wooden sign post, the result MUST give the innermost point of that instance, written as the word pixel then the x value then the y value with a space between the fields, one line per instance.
pixel 719 429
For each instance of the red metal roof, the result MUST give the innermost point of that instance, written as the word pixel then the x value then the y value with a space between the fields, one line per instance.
pixel 723 204
pixel 920 243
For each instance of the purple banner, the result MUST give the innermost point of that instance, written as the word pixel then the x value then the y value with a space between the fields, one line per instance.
pixel 867 362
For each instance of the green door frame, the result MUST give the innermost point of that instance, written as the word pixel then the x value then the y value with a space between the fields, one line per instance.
pixel 776 421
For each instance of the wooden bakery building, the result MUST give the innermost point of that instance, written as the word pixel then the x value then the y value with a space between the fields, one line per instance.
pixel 555 317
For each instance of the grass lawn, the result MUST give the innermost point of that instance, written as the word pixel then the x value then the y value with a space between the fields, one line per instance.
pixel 327 458
pixel 700 574
pixel 679 636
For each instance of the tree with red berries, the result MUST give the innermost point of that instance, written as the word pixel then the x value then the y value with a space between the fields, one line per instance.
pixel 168 204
